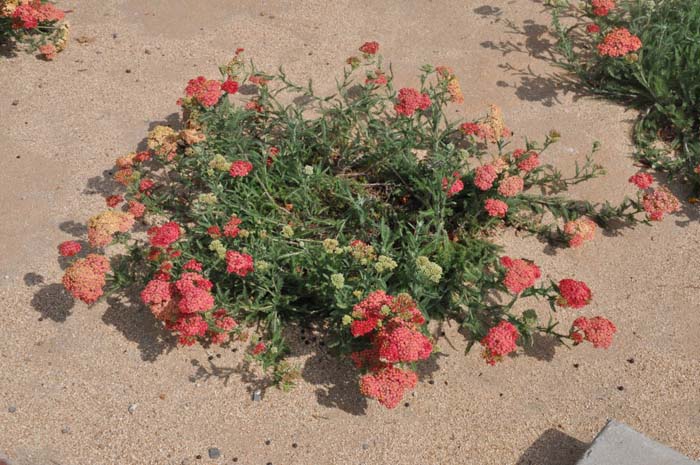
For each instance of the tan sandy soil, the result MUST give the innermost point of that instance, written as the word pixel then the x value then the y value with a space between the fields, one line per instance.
pixel 71 372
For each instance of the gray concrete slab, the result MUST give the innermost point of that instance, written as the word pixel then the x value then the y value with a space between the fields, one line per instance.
pixel 618 444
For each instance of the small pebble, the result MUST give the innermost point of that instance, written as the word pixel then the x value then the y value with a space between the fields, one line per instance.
pixel 365 446
pixel 15 103
pixel 235 459
pixel 211 357
pixel 257 395
pixel 294 445
pixel 65 430
pixel 406 404
pixel 214 453
pixel 128 71
pixel 620 388
pixel 267 442
pixel 198 457
pixel 432 381
pixel 114 35
pixel 133 407
pixel 575 365
pixel 630 360
pixel 12 409
pixel 147 52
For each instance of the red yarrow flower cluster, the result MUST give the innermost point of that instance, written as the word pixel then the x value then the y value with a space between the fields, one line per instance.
pixel 660 202
pixel 410 100
pixel 454 187
pixel 484 177
pixel 511 186
pixel 392 325
pixel 231 228
pixel 30 14
pixel 69 248
pixel 618 43
pixel 602 7
pixel 526 161
pixel 496 208
pixel 370 48
pixel 206 92
pixel 86 277
pixel 164 236
pixel 520 274
pixel 136 208
pixel 240 168
pixel 592 28
pixel 499 341
pixel 642 180
pixel 574 294
pixel 239 263
pixel 580 231
pixel 229 86
pixel 388 385
pixel 598 331
pixel 194 291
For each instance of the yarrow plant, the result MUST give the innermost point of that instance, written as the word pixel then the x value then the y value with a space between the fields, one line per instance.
pixel 36 24
pixel 365 212
pixel 642 53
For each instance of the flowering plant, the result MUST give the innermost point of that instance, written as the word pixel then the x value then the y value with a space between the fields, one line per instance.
pixel 642 53
pixel 36 23
pixel 366 211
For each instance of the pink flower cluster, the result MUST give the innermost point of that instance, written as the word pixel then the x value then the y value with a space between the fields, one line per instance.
pixel 165 235
pixel 602 7
pixel 598 331
pixel 392 325
pixel 618 43
pixel 526 161
pixel 410 100
pixel 240 168
pixel 499 341
pixel 239 263
pixel 580 231
pixel 496 208
pixel 659 202
pixel 454 187
pixel 206 92
pixel 86 277
pixel 642 180
pixel 29 15
pixel 574 294
pixel 520 274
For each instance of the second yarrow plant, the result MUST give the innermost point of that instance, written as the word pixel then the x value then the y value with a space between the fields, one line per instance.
pixel 366 212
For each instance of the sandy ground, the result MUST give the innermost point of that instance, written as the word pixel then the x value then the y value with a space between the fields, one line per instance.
pixel 68 373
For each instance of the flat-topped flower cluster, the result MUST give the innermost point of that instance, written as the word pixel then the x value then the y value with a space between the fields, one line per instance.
pixel 36 24
pixel 364 212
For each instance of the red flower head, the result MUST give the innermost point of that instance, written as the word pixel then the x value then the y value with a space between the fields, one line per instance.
pixel 192 265
pixel 164 235
pixel 85 278
pixel 618 43
pixel 387 385
pixel 642 180
pixel 214 232
pixel 598 331
pixel 454 188
pixel 137 209
pixel 146 184
pixel 231 228
pixel 602 7
pixel 240 168
pixel 239 263
pixel 370 48
pixel 259 348
pixel 574 294
pixel 189 328
pixel 500 341
pixel 580 231
pixel 206 92
pixel 69 248
pixel 496 208
pixel 659 202
pixel 520 274
pixel 527 161
pixel 484 177
pixel 397 342
pixel 510 186
pixel 114 200
pixel 230 86
pixel 592 28
pixel 410 100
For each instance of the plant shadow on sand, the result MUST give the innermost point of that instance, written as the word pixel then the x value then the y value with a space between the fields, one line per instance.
pixel 553 448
